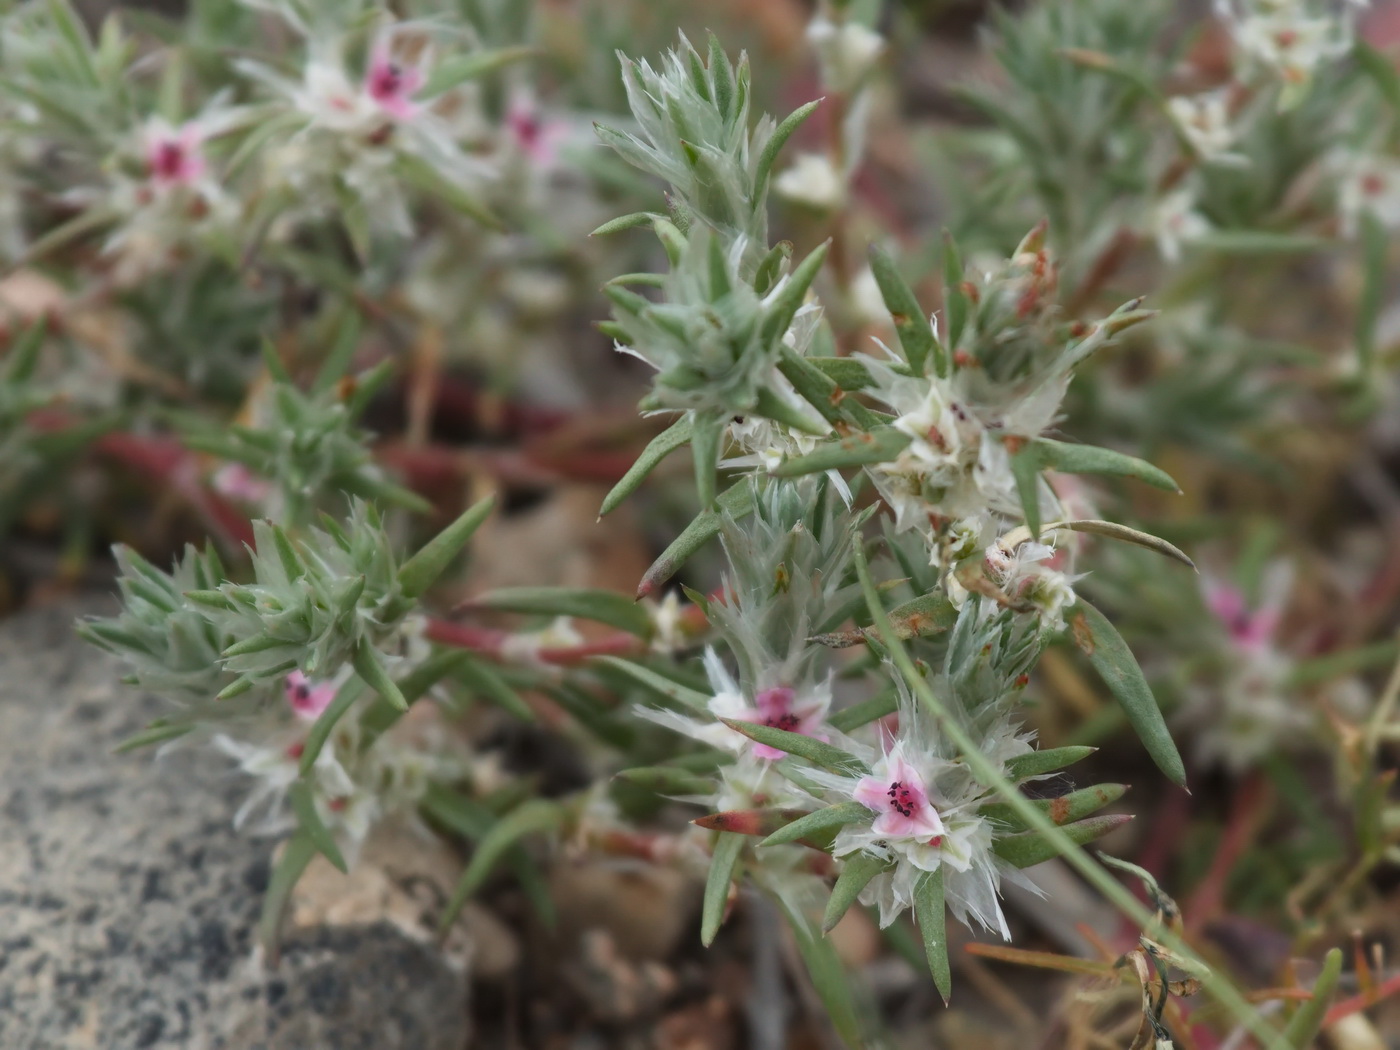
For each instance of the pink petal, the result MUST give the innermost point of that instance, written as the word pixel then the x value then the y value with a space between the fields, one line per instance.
pixel 870 792
pixel 1225 602
pixel 307 699
pixel 776 702
pixel 767 753
pixel 923 824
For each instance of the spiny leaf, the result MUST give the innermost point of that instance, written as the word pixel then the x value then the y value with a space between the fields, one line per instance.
pixel 824 819
pixel 774 145
pixel 789 298
pixel 1027 848
pixel 369 665
pixel 814 751
pixel 856 872
pixel 865 712
pixel 420 571
pixel 661 446
pixel 717 882
pixel 1025 469
pixel 932 919
pixel 1116 665
pixel 325 724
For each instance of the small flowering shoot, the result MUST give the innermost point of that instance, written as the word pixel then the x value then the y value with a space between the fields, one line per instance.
pixel 295 304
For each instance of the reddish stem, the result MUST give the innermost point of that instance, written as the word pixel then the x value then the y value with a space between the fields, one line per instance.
pixel 494 643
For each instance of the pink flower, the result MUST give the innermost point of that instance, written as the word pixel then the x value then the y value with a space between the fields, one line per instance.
pixel 236 481
pixel 897 793
pixel 174 158
pixel 391 85
pixel 1249 630
pixel 537 139
pixel 778 707
pixel 307 699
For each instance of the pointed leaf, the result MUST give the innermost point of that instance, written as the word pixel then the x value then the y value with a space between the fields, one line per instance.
pixel 769 155
pixel 459 69
pixel 932 918
pixel 706 440
pixel 865 712
pixel 1076 805
pixel 296 855
pixel 1089 459
pixel 529 818
pixel 737 500
pixel 747 821
pixel 830 978
pixel 856 872
pixel 369 665
pixel 1305 1024
pixel 826 819
pixel 311 825
pixel 658 683
pixel 1113 530
pixel 910 322
pixel 1116 665
pixel 814 751
pixel 485 680
pixel 789 298
pixel 1027 848
pixel 845 372
pixel 717 882
pixel 609 607
pixel 661 446
pixel 878 446
pixel 625 222
pixel 1025 468
pixel 420 571
pixel 667 780
pixel 1023 767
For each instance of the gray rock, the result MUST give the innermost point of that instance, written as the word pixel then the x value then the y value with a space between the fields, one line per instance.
pixel 128 902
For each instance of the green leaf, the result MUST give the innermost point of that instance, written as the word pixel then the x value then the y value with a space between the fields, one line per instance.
pixel 932 918
pixel 955 304
pixel 420 571
pixel 423 176
pixel 737 500
pixel 910 323
pixel 1113 530
pixel 158 732
pixel 657 683
pixel 24 353
pixel 769 155
pixel 1306 1023
pixel 325 724
pixel 461 68
pixel 1076 805
pixel 296 855
pixel 529 818
pixel 369 665
pixel 609 607
pixel 1381 70
pixel 822 393
pixel 865 712
pixel 1259 242
pixel 1028 848
pixel 814 751
pixel 625 222
pixel 667 780
pixel 706 439
pixel 1375 243
pixel 1025 468
pixel 1116 665
pixel 661 446
pixel 845 372
pixel 830 979
pixel 311 825
pixel 878 446
pixel 826 819
pixel 771 406
pixel 856 872
pixel 484 680
pixel 1037 763
pixel 722 863
pixel 784 307
pixel 1089 459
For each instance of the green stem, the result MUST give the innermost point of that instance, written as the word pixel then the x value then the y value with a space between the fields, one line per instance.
pixel 1216 986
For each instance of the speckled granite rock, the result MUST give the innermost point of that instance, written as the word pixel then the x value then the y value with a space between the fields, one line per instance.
pixel 128 903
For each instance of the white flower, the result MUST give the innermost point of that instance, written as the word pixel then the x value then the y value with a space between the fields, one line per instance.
pixel 1204 120
pixel 811 180
pixel 1024 575
pixel 1368 184
pixel 847 52
pixel 1174 222
pixel 1284 40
